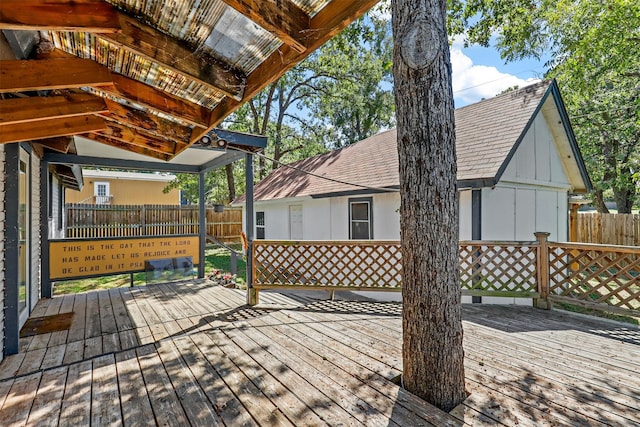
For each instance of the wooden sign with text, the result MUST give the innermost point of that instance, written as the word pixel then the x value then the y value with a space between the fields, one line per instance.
pixel 83 258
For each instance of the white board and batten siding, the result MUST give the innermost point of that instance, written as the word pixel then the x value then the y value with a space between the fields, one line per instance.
pixel 532 195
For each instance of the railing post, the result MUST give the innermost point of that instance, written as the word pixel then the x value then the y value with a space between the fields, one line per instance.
pixel 542 271
pixel 252 293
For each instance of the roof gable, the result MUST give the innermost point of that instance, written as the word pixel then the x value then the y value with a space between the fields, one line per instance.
pixel 488 134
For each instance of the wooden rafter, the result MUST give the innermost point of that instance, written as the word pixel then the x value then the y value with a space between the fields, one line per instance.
pixel 283 18
pixel 172 54
pixel 148 122
pixel 50 128
pixel 155 99
pixel 144 95
pixel 60 144
pixel 20 110
pixel 48 74
pixel 96 16
pixel 133 137
pixel 325 24
pixel 126 146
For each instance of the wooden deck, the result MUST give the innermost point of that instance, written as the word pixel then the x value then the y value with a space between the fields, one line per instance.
pixel 194 354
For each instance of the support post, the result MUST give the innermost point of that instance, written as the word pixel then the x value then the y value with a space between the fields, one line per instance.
pixel 234 263
pixel 573 221
pixel 252 293
pixel 203 226
pixel 542 271
pixel 11 248
pixel 476 234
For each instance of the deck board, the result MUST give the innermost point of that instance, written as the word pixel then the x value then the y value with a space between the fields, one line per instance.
pixel 221 397
pixel 48 401
pixel 184 353
pixel 105 400
pixel 164 401
pixel 136 407
pixel 76 402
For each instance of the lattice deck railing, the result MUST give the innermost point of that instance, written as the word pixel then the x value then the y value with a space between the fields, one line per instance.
pixel 368 265
pixel 506 269
pixel 486 268
pixel 593 275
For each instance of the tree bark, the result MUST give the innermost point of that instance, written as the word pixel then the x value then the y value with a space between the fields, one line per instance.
pixel 598 201
pixel 432 324
pixel 231 182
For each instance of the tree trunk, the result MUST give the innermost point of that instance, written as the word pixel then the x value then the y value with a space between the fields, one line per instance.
pixel 231 182
pixel 432 323
pixel 598 201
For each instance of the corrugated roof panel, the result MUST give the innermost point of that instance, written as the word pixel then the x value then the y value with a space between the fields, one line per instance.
pixel 188 20
pixel 311 7
pixel 240 42
pixel 125 62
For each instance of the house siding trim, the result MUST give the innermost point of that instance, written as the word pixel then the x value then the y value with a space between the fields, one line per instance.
pixel 46 193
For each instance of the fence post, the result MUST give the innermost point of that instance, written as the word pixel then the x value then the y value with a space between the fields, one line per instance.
pixel 542 271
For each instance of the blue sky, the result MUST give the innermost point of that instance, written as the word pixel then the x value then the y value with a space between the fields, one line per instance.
pixel 479 73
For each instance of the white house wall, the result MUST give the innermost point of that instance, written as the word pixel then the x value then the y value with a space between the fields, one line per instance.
pixel 56 229
pixel 328 218
pixel 465 213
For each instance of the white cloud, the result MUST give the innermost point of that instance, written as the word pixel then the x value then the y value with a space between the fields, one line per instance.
pixel 471 82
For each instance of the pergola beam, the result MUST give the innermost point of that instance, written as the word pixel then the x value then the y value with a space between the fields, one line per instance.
pixel 21 110
pixel 50 128
pixel 327 23
pixel 60 144
pixel 155 99
pixel 103 139
pixel 282 18
pixel 130 136
pixel 147 122
pixel 94 16
pixel 49 74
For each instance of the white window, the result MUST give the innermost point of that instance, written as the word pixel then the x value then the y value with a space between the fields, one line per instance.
pixel 259 225
pixel 361 218
pixel 101 193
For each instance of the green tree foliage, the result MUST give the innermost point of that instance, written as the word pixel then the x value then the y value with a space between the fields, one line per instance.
pixel 595 46
pixel 356 101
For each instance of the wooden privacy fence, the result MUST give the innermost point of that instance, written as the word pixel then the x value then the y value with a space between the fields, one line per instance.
pixel 606 277
pixel 608 229
pixel 97 221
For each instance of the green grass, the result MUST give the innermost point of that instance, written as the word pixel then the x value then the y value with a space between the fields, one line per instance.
pixel 216 258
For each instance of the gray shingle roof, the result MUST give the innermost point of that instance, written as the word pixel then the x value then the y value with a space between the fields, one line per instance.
pixel 486 132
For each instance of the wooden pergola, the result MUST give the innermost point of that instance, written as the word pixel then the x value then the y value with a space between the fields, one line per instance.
pixel 139 84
